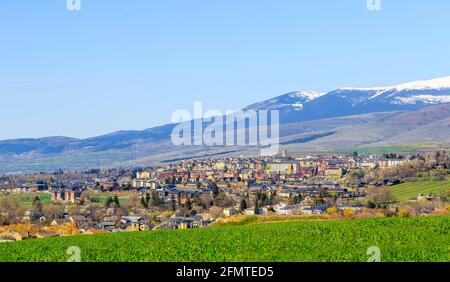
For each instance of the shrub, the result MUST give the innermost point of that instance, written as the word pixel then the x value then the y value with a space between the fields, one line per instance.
pixel 404 212
pixel 348 212
pixel 331 211
pixel 447 208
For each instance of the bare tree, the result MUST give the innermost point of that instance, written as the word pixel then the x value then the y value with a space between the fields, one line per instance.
pixel 10 211
pixel 379 197
pixel 216 212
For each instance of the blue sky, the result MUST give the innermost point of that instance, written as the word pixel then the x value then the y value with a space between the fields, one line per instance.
pixel 129 64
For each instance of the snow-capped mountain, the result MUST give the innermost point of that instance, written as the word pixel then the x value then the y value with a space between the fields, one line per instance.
pixel 433 91
pixel 302 106
pixel 294 101
pixel 344 118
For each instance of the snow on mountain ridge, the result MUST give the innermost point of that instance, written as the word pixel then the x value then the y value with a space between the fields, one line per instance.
pixel 437 83
pixel 304 96
pixel 427 99
pixel 310 95
pixel 291 101
pixel 362 88
pixel 308 105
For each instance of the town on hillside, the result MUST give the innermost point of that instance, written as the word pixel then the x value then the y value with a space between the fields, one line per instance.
pixel 199 193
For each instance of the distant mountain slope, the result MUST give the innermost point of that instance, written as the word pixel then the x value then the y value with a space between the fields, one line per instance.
pixel 353 101
pixel 310 121
pixel 117 140
pixel 294 101
pixel 46 145
pixel 429 124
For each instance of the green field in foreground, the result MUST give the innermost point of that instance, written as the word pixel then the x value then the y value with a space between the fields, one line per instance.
pixel 409 190
pixel 399 239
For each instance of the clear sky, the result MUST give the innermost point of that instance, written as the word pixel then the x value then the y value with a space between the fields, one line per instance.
pixel 121 64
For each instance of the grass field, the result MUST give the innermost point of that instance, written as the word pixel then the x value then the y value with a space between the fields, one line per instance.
pixel 102 198
pixel 26 199
pixel 402 148
pixel 409 190
pixel 399 239
pixel 381 150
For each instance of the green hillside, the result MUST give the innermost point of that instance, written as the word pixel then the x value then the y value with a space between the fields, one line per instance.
pixel 400 239
pixel 409 190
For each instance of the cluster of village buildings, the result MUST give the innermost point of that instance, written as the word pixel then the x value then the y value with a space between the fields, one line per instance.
pixel 282 185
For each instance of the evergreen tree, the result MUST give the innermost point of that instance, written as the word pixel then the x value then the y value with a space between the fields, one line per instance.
pixel 37 204
pixel 116 201
pixel 263 199
pixel 155 200
pixel 109 201
pixel 173 205
pixel 256 206
pixel 188 204
pixel 214 189
pixel 144 203
pixel 147 198
pixel 243 205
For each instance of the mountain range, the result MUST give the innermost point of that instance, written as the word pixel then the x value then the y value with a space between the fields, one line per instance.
pixel 309 121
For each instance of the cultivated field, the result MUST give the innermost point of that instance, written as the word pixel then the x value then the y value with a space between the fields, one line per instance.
pixel 402 148
pixel 399 239
pixel 409 190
